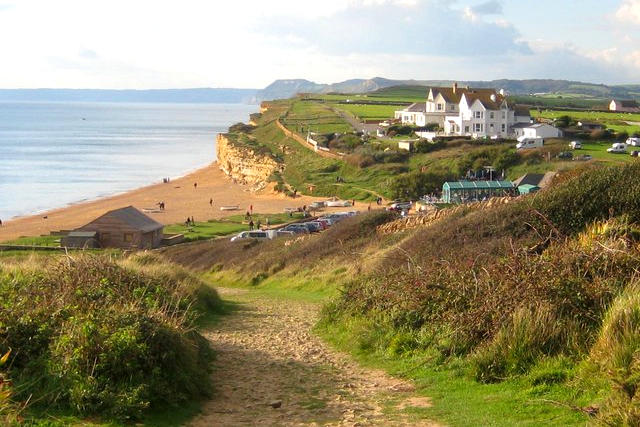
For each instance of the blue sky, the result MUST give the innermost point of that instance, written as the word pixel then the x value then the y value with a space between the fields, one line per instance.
pixel 200 43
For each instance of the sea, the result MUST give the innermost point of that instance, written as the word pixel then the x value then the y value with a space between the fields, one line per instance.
pixel 53 154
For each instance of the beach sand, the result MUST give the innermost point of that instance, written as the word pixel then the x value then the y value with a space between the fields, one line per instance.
pixel 181 199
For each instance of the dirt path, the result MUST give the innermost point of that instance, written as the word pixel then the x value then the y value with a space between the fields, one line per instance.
pixel 267 356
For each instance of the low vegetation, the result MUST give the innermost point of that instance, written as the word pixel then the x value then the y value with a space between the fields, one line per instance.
pixel 532 303
pixel 91 335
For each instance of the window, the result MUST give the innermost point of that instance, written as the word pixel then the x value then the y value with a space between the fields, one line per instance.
pixel 439 106
pixel 477 114
pixel 503 127
pixel 128 237
pixel 491 127
pixel 491 115
pixel 105 236
pixel 504 115
pixel 477 127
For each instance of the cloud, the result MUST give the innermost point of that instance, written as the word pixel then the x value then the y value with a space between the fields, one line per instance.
pixel 492 7
pixel 629 11
pixel 88 54
pixel 422 27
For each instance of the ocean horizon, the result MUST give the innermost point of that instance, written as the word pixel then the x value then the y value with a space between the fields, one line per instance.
pixel 53 154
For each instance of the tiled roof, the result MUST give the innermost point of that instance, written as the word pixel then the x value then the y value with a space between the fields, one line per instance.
pixel 417 107
pixel 134 218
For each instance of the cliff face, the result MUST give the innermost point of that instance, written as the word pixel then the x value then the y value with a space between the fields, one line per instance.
pixel 244 164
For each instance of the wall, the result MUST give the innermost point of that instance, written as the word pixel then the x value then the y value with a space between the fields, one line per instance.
pixel 245 165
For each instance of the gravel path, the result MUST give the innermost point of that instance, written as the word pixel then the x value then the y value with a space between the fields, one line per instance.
pixel 271 370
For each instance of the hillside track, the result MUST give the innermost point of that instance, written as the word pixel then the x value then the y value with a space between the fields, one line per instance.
pixel 271 369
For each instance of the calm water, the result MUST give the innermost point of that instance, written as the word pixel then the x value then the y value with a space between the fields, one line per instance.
pixel 53 154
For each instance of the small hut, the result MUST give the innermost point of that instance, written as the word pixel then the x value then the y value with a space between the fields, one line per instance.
pixel 80 239
pixel 123 228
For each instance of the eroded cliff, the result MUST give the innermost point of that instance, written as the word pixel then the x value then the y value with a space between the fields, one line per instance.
pixel 245 163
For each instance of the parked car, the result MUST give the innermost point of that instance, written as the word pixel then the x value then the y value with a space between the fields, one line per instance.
pixel 617 148
pixel 297 228
pixel 284 233
pixel 321 224
pixel 635 153
pixel 399 206
pixel 526 143
pixel 317 205
pixel 565 155
pixel 313 226
pixel 256 234
pixel 575 145
pixel 633 141
pixel 326 223
pixel 584 157
pixel 338 203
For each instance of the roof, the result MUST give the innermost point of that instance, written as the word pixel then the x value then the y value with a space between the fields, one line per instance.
pixel 485 98
pixel 521 110
pixel 629 103
pixel 537 179
pixel 477 185
pixel 527 187
pixel 87 234
pixel 417 107
pixel 454 97
pixel 521 125
pixel 133 218
pixel 539 125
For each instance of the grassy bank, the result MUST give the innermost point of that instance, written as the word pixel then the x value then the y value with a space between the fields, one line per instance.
pixel 101 337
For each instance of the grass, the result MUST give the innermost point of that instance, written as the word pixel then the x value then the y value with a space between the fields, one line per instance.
pixel 369 111
pixel 612 120
pixel 308 115
pixel 36 241
pixel 457 398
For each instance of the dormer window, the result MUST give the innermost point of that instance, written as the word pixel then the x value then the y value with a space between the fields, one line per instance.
pixel 477 114
pixel 491 116
pixel 439 107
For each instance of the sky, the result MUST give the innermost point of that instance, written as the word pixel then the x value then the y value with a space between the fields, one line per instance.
pixel 140 44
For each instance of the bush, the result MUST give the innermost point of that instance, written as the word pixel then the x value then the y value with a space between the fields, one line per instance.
pixel 615 354
pixel 107 338
pixel 414 185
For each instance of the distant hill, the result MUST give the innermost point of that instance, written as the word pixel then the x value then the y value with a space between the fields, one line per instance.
pixel 288 88
pixel 198 95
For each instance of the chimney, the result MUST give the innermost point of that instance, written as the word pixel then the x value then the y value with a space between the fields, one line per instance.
pixel 493 97
pixel 502 92
pixel 455 87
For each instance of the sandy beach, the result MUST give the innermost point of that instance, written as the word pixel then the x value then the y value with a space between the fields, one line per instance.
pixel 181 200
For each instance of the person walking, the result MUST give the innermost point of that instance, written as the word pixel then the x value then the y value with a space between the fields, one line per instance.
pixel 250 225
pixel 258 225
pixel 195 185
pixel 211 202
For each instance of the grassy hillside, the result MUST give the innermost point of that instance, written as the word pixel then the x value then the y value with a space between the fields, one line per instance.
pixel 522 313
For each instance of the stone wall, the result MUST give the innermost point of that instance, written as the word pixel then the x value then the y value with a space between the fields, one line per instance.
pixel 244 165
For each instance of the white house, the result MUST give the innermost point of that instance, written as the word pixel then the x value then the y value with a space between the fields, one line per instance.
pixel 414 114
pixel 479 113
pixel 629 106
pixel 537 130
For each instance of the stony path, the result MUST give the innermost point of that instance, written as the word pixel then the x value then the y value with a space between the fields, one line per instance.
pixel 271 370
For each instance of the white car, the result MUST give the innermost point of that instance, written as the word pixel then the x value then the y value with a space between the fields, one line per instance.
pixel 338 203
pixel 255 234
pixel 634 142
pixel 526 143
pixel 617 148
pixel 575 145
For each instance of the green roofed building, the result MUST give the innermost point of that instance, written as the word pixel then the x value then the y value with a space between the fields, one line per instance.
pixel 471 191
pixel 528 188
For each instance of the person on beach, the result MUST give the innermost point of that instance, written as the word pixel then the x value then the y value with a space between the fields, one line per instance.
pixel 369 208
pixel 353 202
pixel 251 224
pixel 211 202
pixel 195 185
pixel 295 192
pixel 0 223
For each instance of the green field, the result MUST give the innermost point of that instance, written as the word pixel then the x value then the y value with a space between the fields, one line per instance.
pixel 370 111
pixel 614 121
pixel 313 116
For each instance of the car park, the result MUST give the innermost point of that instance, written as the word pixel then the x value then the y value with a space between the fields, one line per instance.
pixel 312 226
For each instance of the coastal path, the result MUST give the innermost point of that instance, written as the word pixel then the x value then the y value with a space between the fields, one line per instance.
pixel 271 369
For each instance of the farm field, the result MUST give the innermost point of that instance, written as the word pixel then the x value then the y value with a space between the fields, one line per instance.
pixel 614 121
pixel 369 111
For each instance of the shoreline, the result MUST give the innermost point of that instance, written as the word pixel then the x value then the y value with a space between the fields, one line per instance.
pixel 182 200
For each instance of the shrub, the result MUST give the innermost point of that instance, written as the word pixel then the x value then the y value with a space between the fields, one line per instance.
pixel 615 354
pixel 100 337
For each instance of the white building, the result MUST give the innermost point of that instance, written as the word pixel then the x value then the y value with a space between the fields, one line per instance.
pixel 629 106
pixel 537 130
pixel 478 113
